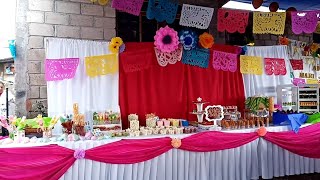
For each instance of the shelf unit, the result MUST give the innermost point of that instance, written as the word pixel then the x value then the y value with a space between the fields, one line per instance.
pixel 287 97
pixel 308 98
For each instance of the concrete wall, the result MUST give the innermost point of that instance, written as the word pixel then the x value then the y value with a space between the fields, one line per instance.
pixel 38 19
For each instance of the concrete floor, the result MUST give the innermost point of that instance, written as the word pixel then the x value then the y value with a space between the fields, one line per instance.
pixel 315 176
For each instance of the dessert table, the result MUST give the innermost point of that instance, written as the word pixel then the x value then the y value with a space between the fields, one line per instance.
pixel 254 159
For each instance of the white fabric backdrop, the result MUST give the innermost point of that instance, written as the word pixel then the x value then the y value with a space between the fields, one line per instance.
pixel 92 94
pixel 265 84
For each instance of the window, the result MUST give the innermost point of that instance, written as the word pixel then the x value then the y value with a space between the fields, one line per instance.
pixel 140 29
pixel 7 30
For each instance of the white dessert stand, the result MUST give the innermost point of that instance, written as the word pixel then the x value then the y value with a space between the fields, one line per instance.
pixel 200 112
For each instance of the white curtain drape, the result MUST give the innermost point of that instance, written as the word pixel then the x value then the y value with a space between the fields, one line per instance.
pixel 92 94
pixel 265 84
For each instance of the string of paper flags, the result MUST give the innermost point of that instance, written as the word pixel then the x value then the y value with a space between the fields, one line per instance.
pixel 228 19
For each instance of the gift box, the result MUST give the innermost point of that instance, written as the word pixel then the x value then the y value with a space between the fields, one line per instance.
pixel 134 125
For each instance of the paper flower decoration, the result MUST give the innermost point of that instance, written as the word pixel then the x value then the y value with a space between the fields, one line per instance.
pixel 262 131
pixel 175 142
pixel 188 39
pixel 314 47
pixel 283 41
pixel 116 41
pixel 206 40
pixel 116 44
pixel 166 39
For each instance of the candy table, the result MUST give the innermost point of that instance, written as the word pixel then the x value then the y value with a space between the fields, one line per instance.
pixel 257 158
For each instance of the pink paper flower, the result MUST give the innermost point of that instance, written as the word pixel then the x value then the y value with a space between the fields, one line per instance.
pixel 166 39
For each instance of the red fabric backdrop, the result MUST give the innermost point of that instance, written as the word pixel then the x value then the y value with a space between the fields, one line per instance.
pixel 169 91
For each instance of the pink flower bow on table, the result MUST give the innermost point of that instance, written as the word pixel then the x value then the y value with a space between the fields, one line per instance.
pixel 79 153
pixel 262 131
pixel 176 143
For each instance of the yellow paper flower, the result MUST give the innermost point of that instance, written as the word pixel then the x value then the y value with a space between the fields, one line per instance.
pixel 117 40
pixel 206 40
pixel 103 2
pixel 114 48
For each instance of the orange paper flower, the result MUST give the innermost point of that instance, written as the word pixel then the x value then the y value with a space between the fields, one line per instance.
pixel 314 47
pixel 283 41
pixel 176 143
pixel 262 131
pixel 206 40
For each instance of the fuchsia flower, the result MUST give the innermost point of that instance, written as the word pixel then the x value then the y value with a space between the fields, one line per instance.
pixel 166 39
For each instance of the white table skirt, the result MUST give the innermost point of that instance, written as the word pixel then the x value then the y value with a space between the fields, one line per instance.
pixel 257 158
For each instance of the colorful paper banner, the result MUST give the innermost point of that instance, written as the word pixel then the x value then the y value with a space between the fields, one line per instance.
pixel 196 16
pixel 165 10
pixel 269 22
pixel 224 61
pixel 60 69
pixel 196 57
pixel 232 20
pixel 296 64
pixel 101 65
pixel 128 6
pixel 304 21
pixel 251 65
pixel 275 66
pixel 168 58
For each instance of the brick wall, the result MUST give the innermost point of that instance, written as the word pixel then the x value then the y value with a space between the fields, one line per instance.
pixel 38 19
pixel 270 40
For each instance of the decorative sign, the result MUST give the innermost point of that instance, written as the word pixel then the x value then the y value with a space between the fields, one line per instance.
pixel 232 20
pixel 214 113
pixel 275 66
pixel 269 22
pixel 60 69
pixel 251 65
pixel 304 21
pixel 224 61
pixel 298 81
pixel 306 75
pixel 312 81
pixel 165 10
pixel 171 58
pixel 101 65
pixel 196 16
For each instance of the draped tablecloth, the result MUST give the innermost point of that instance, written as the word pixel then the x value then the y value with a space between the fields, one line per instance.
pixel 257 158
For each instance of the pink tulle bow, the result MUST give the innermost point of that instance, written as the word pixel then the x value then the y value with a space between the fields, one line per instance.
pixel 79 153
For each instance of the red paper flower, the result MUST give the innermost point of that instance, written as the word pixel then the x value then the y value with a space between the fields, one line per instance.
pixel 283 41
